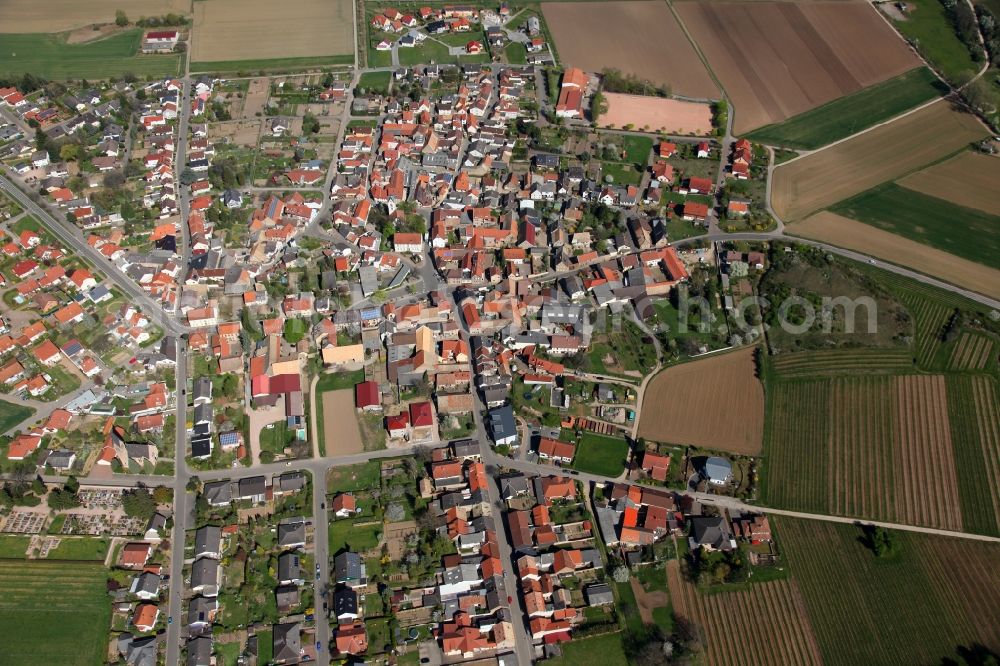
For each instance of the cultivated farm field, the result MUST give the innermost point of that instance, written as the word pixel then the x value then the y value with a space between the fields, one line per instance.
pixel 969 179
pixel 259 30
pixel 888 152
pixel 844 232
pixel 53 612
pixel 974 410
pixel 777 59
pixel 52 57
pixel 765 623
pixel 657 114
pixel 61 15
pixel 869 446
pixel 640 38
pixel 717 403
pixel 917 606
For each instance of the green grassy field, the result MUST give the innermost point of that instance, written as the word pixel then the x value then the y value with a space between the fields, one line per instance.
pixel 927 24
pixel 348 478
pixel 348 534
pixel 600 455
pixel 902 609
pixel 51 57
pixel 853 113
pixel 295 330
pixel 375 82
pixel 53 613
pixel 595 651
pixel 271 64
pixel 83 548
pixel 11 414
pixel 13 546
pixel 964 232
pixel 623 174
pixel 516 53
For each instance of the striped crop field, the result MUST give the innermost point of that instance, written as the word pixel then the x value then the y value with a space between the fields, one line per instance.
pixel 764 623
pixel 974 412
pixel 971 352
pixel 842 361
pixel 914 607
pixel 868 446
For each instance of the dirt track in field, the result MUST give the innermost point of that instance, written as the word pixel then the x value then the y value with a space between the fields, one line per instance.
pixel 968 179
pixel 778 59
pixel 886 153
pixel 640 38
pixel 668 116
pixel 830 228
pixel 262 29
pixel 60 15
pixel 716 402
pixel 340 425
pixel 766 623
pixel 926 484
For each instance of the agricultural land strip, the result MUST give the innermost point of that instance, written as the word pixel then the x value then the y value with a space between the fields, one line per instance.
pixel 25 16
pixel 975 421
pixel 969 179
pixel 52 57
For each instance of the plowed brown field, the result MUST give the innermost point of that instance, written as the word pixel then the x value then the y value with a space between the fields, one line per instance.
pixel 640 38
pixel 60 15
pixel 926 485
pixel 885 153
pixel 778 59
pixel 716 402
pixel 968 179
pixel 844 232
pixel 766 623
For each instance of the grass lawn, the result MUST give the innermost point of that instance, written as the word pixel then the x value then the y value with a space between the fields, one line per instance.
pixel 623 174
pixel 927 220
pixel 228 653
pixel 271 64
pixel 379 58
pixel 595 651
pixel 53 613
pixel 628 353
pixel 600 455
pixel 11 414
pixel 637 148
pixel 853 113
pixel 295 330
pixel 376 82
pixel 678 228
pixel 265 646
pixel 516 53
pixel 334 381
pixel 379 639
pixel 354 477
pixel 348 534
pixel 51 57
pixel 927 24
pixel 429 51
pixel 83 548
pixel 13 547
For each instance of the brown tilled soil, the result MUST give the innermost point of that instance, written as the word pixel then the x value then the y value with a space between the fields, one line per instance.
pixel 968 179
pixel 778 59
pixel 764 624
pixel 670 116
pixel 844 232
pixel 641 38
pixel 61 15
pixel 823 178
pixel 925 483
pixel 716 402
pixel 340 425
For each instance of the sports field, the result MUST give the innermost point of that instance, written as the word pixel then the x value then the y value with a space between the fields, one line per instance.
pixel 640 38
pixel 843 232
pixel 657 114
pixel 885 153
pixel 60 15
pixel 969 179
pixel 50 56
pixel 779 59
pixel 850 114
pixel 716 402
pixel 259 30
pixel 939 223
pixel 53 613
pixel 916 607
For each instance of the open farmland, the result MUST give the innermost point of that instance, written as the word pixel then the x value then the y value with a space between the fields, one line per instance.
pixel 670 116
pixel 918 606
pixel 939 223
pixel 971 352
pixel 836 230
pixel 259 30
pixel 860 110
pixel 640 38
pixel 807 364
pixel 765 623
pixel 888 152
pixel 969 179
pixel 52 57
pixel 778 59
pixel 53 613
pixel 716 402
pixel 872 446
pixel 61 15
pixel 975 416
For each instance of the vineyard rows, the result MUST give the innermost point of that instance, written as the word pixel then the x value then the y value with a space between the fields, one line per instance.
pixel 795 444
pixel 974 413
pixel 841 361
pixel 971 352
